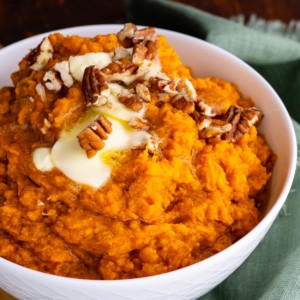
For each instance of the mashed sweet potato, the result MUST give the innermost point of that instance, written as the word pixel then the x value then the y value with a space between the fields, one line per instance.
pixel 158 212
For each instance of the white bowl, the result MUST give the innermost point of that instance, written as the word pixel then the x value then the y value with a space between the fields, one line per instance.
pixel 195 280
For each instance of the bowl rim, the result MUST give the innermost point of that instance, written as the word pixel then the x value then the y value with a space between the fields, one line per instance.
pixel 274 210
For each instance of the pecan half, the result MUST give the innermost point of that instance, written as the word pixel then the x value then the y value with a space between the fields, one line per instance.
pixel 94 87
pixel 91 138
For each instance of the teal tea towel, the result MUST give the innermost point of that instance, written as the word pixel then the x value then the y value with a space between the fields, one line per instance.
pixel 273 270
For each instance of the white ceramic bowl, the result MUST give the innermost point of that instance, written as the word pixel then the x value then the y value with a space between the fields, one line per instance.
pixel 195 280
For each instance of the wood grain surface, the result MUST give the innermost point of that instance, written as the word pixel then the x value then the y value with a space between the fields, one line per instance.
pixel 17 21
pixel 23 18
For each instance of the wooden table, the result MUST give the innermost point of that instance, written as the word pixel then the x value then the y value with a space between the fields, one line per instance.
pixel 16 21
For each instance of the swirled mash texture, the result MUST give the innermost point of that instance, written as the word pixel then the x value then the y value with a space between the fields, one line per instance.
pixel 160 209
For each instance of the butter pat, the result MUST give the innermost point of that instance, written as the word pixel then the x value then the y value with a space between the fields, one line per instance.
pixel 78 63
pixel 42 159
pixel 71 159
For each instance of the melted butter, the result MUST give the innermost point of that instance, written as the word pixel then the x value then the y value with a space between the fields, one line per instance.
pixel 67 155
pixel 42 159
pixel 71 159
pixel 78 63
pixel 117 109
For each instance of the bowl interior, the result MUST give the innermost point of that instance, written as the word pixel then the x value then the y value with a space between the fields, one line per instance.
pixel 207 60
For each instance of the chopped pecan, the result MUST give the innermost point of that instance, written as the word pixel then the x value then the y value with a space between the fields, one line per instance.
pixel 153 144
pixel 143 92
pixel 206 109
pixel 215 130
pixel 120 71
pixel 95 89
pixel 64 71
pixel 251 116
pixel 163 98
pixel 180 91
pixel 189 91
pixel 139 53
pixel 91 138
pixel 129 36
pixel 126 34
pixel 52 81
pixel 147 34
pixel 202 121
pixel 241 120
pixel 233 115
pixel 40 90
pixel 159 83
pixel 131 101
pixel 241 125
pixel 231 126
pixel 120 53
pixel 138 123
pixel 39 57
pixel 144 51
pixel 182 103
pixel 151 49
pixel 171 87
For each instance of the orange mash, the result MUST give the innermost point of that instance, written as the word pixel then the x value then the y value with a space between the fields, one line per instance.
pixel 184 183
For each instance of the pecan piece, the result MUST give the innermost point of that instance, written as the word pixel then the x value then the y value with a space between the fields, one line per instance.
pixel 206 109
pixel 95 89
pixel 138 123
pixel 52 81
pixel 144 51
pixel 170 87
pixel 202 120
pixel 139 53
pixel 241 120
pixel 126 34
pixel 151 49
pixel 91 138
pixel 120 66
pixel 131 102
pixel 143 92
pixel 120 53
pixel 144 34
pixel 215 130
pixel 182 103
pixel 39 57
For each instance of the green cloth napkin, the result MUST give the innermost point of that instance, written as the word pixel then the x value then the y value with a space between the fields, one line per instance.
pixel 273 270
